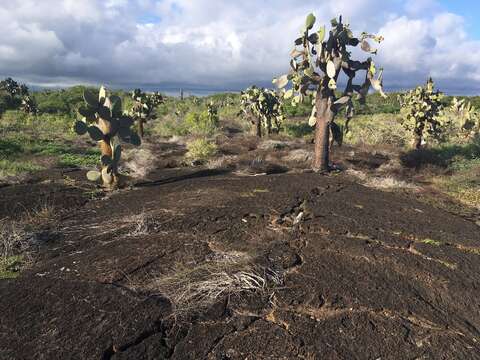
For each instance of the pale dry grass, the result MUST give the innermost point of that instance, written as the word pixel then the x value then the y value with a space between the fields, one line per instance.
pixel 390 183
pixel 380 182
pixel 273 145
pixel 14 238
pixel 298 156
pixel 223 274
pixel 139 162
pixel 221 162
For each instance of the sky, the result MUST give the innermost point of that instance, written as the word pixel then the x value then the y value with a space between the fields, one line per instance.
pixel 228 44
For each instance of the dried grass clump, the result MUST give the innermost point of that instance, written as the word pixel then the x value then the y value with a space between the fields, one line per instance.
pixel 139 162
pixel 389 183
pixel 223 274
pixel 382 183
pixel 142 224
pixel 14 239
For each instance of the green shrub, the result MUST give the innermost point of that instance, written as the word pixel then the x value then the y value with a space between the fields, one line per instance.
pixel 380 129
pixel 201 149
pixel 298 129
pixel 201 123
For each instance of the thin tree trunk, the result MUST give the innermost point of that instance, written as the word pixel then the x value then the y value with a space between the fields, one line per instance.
pixel 269 126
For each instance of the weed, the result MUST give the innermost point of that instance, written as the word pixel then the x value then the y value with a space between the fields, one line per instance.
pixel 201 150
pixel 431 242
pixel 10 267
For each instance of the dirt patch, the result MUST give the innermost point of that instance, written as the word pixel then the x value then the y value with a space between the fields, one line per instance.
pixel 347 272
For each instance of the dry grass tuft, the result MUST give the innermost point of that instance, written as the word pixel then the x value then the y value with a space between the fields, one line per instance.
pixel 142 224
pixel 221 162
pixel 223 274
pixel 298 156
pixel 389 182
pixel 382 183
pixel 273 145
pixel 14 238
pixel 139 162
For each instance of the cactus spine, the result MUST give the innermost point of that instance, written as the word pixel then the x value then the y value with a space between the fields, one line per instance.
pixel 104 121
pixel 318 58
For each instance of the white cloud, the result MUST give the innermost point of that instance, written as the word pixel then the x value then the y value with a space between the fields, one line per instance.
pixel 220 43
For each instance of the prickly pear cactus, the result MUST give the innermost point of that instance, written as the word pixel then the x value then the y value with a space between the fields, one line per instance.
pixel 463 119
pixel 144 107
pixel 422 110
pixel 317 60
pixel 104 121
pixel 29 105
pixel 11 87
pixel 266 108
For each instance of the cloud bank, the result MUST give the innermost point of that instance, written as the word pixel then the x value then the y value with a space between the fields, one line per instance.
pixel 221 44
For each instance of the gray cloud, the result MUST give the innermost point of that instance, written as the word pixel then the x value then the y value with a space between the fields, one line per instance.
pixel 218 43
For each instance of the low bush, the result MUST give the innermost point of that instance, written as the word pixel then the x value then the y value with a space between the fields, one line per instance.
pixel 201 123
pixel 200 150
pixel 380 129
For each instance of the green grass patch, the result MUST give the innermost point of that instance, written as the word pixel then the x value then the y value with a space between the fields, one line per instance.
pixel 10 267
pixel 431 242
pixel 200 149
pixel 298 129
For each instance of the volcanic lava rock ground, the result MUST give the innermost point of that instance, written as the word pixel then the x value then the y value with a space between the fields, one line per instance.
pixel 360 273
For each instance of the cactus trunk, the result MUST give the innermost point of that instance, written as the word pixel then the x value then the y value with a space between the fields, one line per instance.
pixel 140 128
pixel 417 142
pixel 325 117
pixel 322 145
pixel 258 127
pixel 109 178
pixel 269 126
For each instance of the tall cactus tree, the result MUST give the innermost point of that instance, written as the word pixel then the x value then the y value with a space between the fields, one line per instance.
pixel 317 61
pixel 265 108
pixel 422 110
pixel 144 107
pixel 104 121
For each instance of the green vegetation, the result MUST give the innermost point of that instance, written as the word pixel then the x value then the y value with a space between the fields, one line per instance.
pixel 202 123
pixel 431 242
pixel 264 108
pixel 189 117
pixel 106 123
pixel 143 108
pixel 421 109
pixel 318 58
pixel 378 129
pixel 26 141
pixel 10 267
pixel 32 142
pixel 200 150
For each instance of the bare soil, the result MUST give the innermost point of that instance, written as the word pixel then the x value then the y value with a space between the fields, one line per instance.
pixel 351 272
